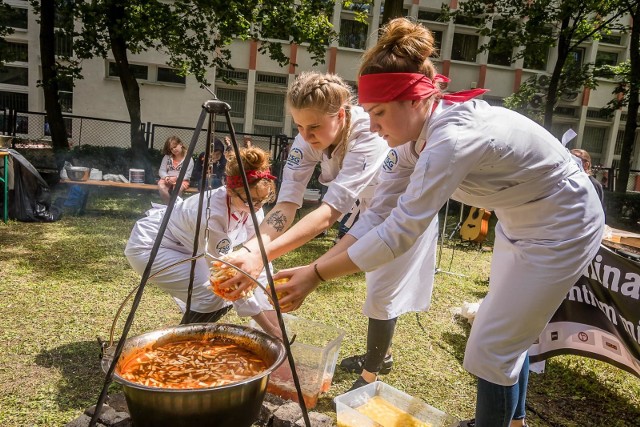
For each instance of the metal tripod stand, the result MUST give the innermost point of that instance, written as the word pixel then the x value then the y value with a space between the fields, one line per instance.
pixel 210 108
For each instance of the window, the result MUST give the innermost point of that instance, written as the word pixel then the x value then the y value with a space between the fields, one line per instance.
pixel 269 113
pixel 465 47
pixel 170 75
pixel 269 106
pixel 235 98
pixel 429 15
pixel 14 101
pixel 63 44
pixel 147 72
pixel 221 126
pixel 565 111
pixel 605 58
pixel 237 75
pixel 535 57
pixel 14 75
pixel 469 21
pixel 141 72
pixel 18 52
pixel 593 139
pixel 66 101
pixel 619 140
pixel 17 18
pixel 500 54
pixel 597 113
pixel 576 56
pixel 437 37
pixel 272 79
pixel 65 93
pixel 611 39
pixel 353 34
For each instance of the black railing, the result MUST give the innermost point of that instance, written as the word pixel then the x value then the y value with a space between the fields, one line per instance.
pixel 84 130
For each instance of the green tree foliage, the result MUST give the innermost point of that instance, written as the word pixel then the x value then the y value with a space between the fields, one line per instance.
pixel 538 26
pixel 195 36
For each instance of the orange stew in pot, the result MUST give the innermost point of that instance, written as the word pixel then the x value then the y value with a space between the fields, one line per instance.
pixel 192 364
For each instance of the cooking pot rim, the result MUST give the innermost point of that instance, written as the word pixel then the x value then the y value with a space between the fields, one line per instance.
pixel 200 327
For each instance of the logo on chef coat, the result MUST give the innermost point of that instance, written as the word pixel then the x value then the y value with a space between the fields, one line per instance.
pixel 224 246
pixel 390 161
pixel 295 157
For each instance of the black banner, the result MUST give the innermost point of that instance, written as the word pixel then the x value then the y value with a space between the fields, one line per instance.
pixel 600 316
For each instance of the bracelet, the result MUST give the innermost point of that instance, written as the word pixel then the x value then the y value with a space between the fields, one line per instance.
pixel 315 268
pixel 248 250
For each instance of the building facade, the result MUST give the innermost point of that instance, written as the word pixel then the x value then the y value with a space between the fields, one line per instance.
pixel 257 100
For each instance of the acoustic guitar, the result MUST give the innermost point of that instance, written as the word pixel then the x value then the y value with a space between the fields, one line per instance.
pixel 476 227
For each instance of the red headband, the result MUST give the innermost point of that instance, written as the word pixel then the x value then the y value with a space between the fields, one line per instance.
pixel 235 181
pixel 387 87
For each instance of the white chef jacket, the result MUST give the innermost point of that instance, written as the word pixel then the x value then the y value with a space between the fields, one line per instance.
pixel 227 229
pixel 352 179
pixel 550 222
pixel 406 283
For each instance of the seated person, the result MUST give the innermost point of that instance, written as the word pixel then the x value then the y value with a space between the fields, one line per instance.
pixel 218 161
pixel 172 163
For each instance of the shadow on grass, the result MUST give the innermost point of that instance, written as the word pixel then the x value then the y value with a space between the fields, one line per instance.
pixel 458 342
pixel 568 396
pixel 564 396
pixel 48 251
pixel 82 377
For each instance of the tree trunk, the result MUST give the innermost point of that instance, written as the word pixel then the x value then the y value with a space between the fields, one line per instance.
pixel 130 88
pixel 632 108
pixel 50 77
pixel 552 93
pixel 392 9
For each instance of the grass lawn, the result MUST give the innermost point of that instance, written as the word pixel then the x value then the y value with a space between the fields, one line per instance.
pixel 62 283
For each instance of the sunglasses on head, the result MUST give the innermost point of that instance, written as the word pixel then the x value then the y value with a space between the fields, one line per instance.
pixel 256 203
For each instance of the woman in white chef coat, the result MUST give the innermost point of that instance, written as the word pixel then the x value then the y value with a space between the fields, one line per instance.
pixel 336 134
pixel 550 220
pixel 229 225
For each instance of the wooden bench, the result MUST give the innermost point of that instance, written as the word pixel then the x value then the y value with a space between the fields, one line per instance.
pixel 92 184
pixel 113 184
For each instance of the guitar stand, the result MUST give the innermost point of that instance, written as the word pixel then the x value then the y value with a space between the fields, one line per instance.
pixel 442 237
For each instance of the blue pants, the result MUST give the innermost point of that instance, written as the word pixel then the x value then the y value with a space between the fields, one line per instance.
pixel 497 405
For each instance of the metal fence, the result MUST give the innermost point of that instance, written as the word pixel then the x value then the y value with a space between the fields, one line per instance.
pixel 82 130
pixel 608 178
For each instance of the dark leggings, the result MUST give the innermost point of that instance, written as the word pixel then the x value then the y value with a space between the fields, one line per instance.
pixel 214 316
pixel 379 338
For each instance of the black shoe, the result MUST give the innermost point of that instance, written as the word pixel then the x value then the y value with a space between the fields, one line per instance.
pixel 356 363
pixel 468 423
pixel 360 382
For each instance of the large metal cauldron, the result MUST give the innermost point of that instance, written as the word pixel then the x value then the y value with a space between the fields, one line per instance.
pixel 233 405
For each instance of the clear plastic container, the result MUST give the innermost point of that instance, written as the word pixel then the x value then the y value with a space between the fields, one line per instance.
pixel 380 405
pixel 315 352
